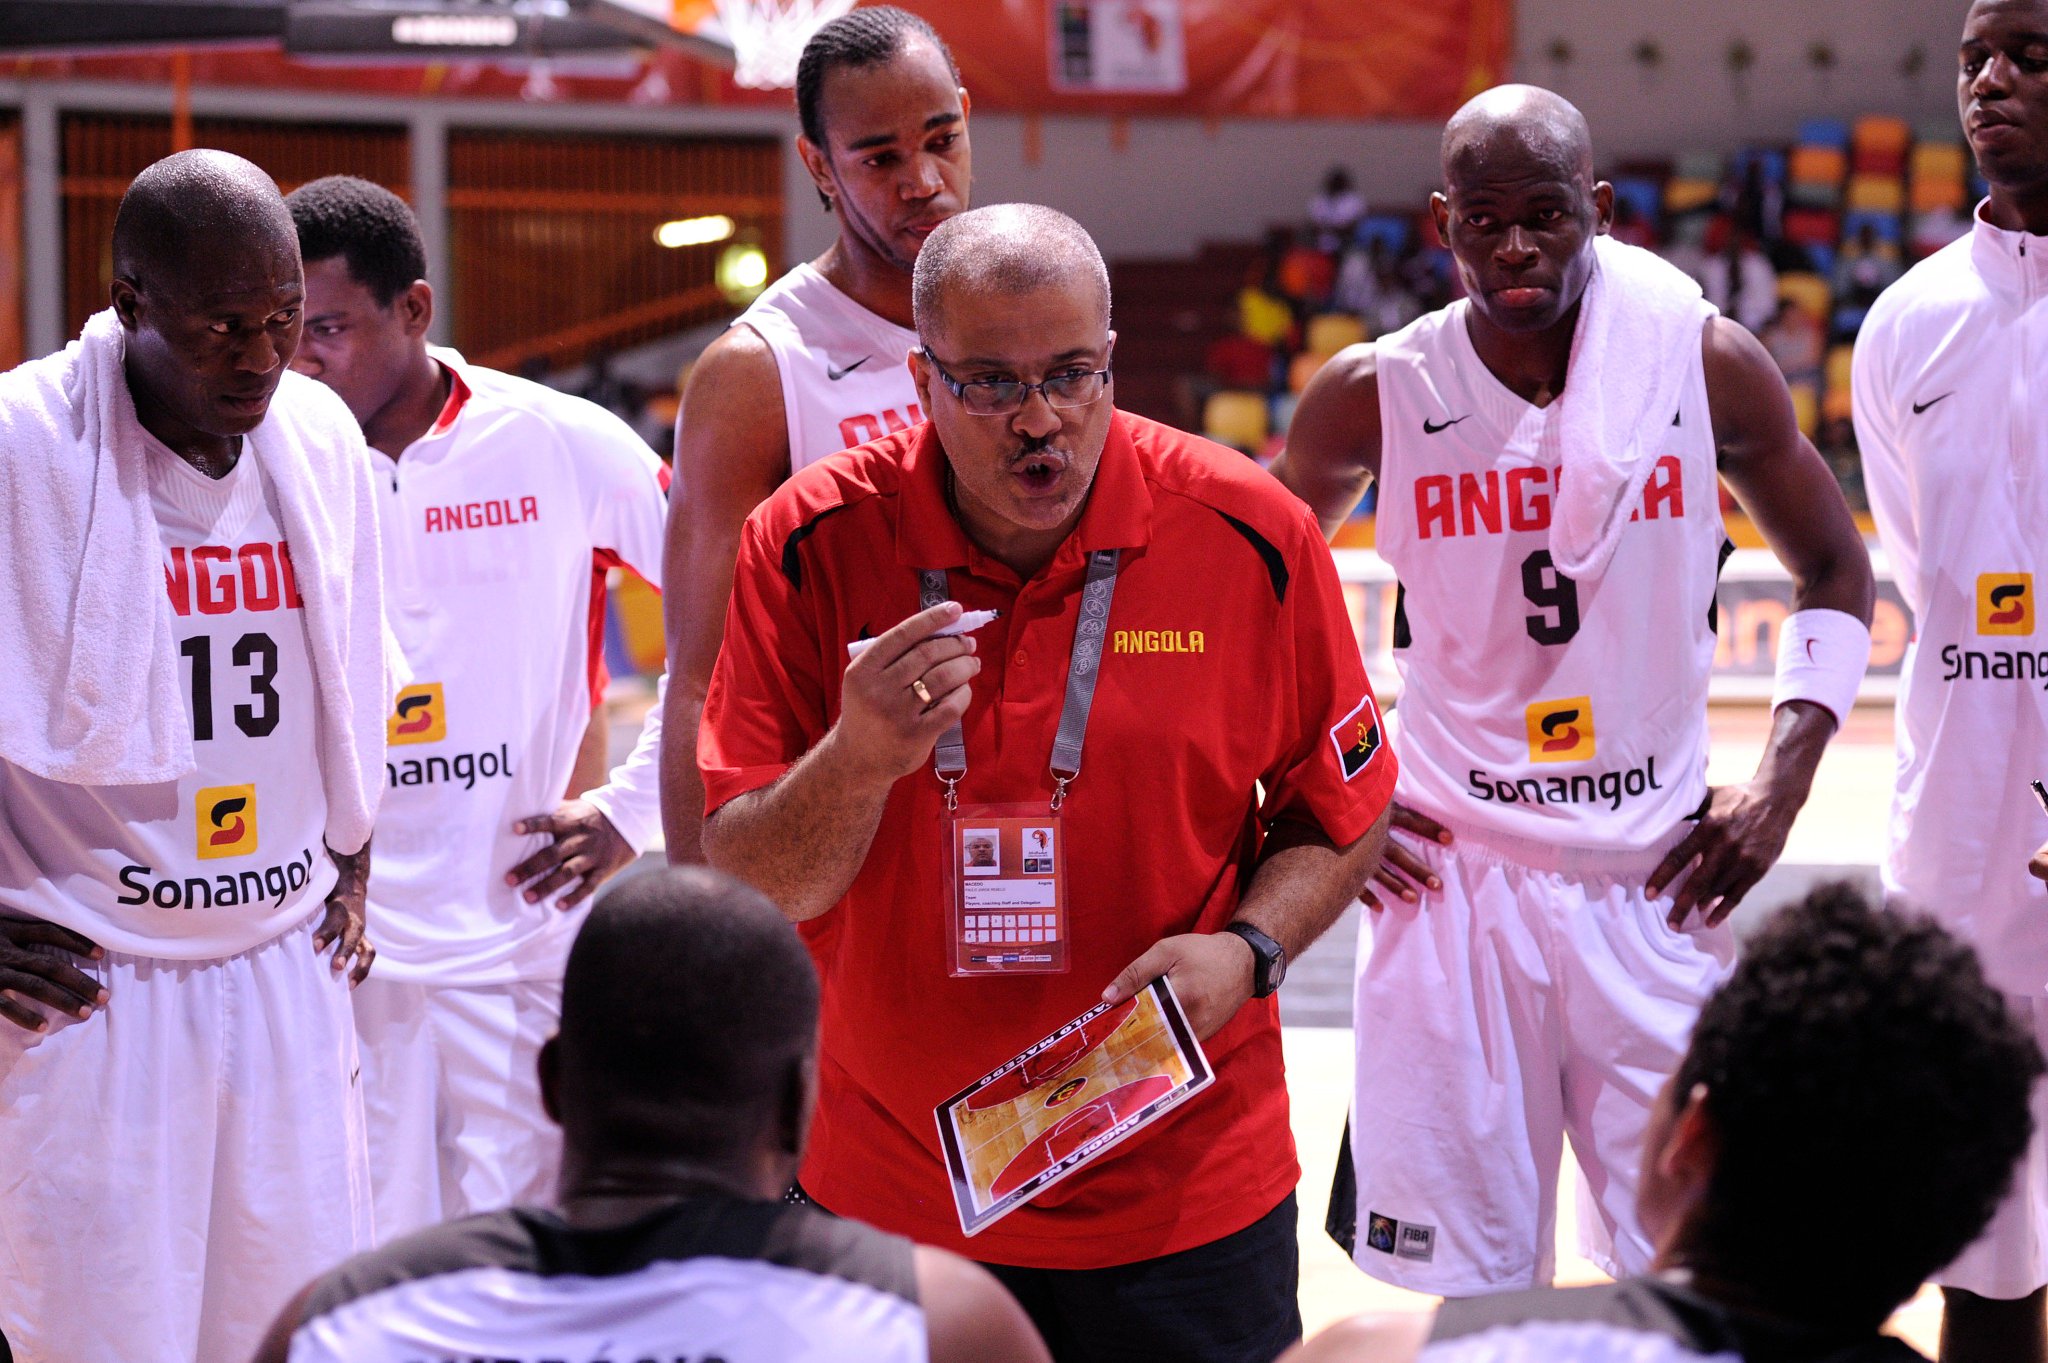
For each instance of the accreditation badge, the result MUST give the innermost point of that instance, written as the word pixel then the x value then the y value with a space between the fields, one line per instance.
pixel 1006 890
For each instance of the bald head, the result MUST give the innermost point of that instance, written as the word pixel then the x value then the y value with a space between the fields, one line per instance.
pixel 689 1010
pixel 1517 130
pixel 1001 252
pixel 194 205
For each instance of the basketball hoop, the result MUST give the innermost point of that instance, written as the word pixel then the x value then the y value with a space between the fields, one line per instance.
pixel 768 36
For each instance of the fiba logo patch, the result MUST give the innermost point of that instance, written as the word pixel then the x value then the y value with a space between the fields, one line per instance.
pixel 420 715
pixel 1402 1239
pixel 1561 730
pixel 226 816
pixel 1358 738
pixel 2005 603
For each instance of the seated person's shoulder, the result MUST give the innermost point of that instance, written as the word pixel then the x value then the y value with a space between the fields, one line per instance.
pixel 1380 1337
pixel 498 1239
pixel 969 1316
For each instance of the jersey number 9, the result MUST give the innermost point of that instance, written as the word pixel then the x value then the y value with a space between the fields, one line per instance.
pixel 1553 594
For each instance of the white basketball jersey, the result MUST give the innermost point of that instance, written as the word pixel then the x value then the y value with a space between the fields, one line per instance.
pixel 1574 713
pixel 844 377
pixel 712 1278
pixel 234 852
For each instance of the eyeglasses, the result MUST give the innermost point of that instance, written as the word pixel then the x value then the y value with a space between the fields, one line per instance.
pixel 1006 397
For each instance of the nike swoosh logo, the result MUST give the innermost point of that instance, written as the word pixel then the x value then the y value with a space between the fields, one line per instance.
pixel 1809 652
pixel 1920 407
pixel 1432 427
pixel 836 374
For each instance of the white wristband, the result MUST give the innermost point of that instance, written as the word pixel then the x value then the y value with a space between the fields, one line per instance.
pixel 1821 658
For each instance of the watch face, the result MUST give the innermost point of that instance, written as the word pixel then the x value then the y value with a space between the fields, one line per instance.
pixel 1276 968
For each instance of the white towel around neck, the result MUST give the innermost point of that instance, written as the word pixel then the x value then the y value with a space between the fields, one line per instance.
pixel 91 693
pixel 1640 331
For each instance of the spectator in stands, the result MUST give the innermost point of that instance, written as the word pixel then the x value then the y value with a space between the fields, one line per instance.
pixel 1856 1075
pixel 1264 312
pixel 1797 340
pixel 1632 227
pixel 1866 268
pixel 1837 445
pixel 1755 202
pixel 683 1077
pixel 1740 282
pixel 1336 210
pixel 1372 285
pixel 1305 274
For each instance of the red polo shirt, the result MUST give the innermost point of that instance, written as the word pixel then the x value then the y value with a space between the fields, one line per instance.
pixel 1230 669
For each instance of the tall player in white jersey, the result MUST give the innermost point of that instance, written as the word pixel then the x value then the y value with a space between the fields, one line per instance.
pixel 1525 980
pixel 191 752
pixel 684 1078
pixel 503 503
pixel 1949 373
pixel 820 362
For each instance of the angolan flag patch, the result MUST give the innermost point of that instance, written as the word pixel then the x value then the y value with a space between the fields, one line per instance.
pixel 1357 738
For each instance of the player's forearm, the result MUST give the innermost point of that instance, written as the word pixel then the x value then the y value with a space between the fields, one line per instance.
pixel 1304 882
pixel 682 785
pixel 631 796
pixel 1843 580
pixel 802 840
pixel 1800 731
pixel 353 879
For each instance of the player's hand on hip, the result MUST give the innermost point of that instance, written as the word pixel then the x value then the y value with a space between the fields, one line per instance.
pixel 1729 849
pixel 906 690
pixel 1212 972
pixel 1402 873
pixel 583 852
pixel 33 970
pixel 342 924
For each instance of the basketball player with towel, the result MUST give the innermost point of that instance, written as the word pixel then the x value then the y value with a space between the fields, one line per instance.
pixel 1949 372
pixel 191 756
pixel 502 503
pixel 1547 451
pixel 684 1112
pixel 820 362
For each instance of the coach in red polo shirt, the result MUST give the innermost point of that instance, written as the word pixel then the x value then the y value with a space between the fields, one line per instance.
pixel 1221 801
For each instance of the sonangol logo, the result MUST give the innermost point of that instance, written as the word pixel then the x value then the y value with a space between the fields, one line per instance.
pixel 226 816
pixel 2005 603
pixel 1561 730
pixel 420 715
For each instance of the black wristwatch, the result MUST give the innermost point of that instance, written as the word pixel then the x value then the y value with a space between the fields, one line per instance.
pixel 1268 956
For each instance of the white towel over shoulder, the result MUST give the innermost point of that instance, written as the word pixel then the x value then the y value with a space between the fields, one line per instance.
pixel 89 679
pixel 1639 333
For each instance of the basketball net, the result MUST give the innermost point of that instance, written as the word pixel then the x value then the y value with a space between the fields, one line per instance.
pixel 768 36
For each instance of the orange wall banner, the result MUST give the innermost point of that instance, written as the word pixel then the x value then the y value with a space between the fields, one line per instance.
pixel 1360 59
pixel 1241 58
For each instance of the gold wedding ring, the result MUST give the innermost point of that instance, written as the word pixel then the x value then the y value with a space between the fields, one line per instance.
pixel 922 694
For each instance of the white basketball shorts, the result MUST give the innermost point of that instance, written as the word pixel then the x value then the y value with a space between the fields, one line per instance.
pixel 2008 1260
pixel 179 1164
pixel 451 1086
pixel 1538 995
